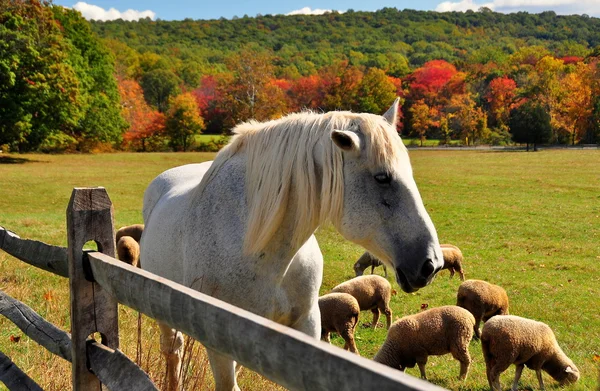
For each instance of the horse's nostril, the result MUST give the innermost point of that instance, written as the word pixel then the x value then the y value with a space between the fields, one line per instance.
pixel 427 269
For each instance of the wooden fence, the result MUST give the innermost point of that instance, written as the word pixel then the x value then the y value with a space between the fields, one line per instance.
pixel 98 282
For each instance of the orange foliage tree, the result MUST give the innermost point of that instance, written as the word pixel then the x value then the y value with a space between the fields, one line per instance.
pixel 145 124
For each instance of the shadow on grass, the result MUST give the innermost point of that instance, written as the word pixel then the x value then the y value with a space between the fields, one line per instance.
pixel 15 160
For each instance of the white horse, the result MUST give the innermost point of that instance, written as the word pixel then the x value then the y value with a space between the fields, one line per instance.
pixel 241 228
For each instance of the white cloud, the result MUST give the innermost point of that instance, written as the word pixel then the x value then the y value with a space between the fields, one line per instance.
pixel 463 5
pixel 90 11
pixel 309 11
pixel 590 7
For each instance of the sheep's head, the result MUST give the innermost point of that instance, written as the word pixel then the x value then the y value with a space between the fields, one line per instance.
pixel 569 375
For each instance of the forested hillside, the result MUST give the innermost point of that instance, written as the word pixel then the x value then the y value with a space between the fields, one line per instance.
pixel 385 39
pixel 473 78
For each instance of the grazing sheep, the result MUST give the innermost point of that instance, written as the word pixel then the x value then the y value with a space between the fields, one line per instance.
pixel 339 313
pixel 483 300
pixel 135 231
pixel 366 260
pixel 511 339
pixel 128 250
pixel 453 260
pixel 434 332
pixel 372 292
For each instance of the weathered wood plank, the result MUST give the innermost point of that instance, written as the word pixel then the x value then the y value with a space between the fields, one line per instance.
pixel 14 378
pixel 35 327
pixel 38 254
pixel 116 371
pixel 89 218
pixel 283 355
pixel 113 368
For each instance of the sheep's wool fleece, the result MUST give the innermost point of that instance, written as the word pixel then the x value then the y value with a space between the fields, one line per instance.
pixel 519 337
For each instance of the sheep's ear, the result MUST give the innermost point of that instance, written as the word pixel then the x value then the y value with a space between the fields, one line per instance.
pixel 569 370
pixel 392 114
pixel 346 140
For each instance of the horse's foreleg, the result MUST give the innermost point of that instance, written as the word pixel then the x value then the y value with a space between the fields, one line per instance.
pixel 310 324
pixel 171 343
pixel 224 371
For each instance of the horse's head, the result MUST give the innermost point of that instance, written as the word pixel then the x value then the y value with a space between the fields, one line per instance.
pixel 382 209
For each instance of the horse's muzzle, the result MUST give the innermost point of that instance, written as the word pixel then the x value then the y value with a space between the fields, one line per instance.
pixel 425 276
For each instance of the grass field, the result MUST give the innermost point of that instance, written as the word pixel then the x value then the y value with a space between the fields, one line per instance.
pixel 529 222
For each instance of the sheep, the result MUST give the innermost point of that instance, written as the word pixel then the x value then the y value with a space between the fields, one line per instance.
pixel 434 332
pixel 372 292
pixel 339 313
pixel 453 260
pixel 366 260
pixel 483 300
pixel 135 231
pixel 128 250
pixel 510 339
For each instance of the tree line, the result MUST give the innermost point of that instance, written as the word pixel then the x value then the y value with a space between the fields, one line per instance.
pixel 67 84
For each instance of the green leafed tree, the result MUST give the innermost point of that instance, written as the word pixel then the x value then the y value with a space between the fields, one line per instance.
pixel 183 121
pixel 530 124
pixel 94 65
pixel 39 89
pixel 159 86
pixel 375 92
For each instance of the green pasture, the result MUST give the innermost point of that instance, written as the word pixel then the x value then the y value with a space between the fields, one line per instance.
pixel 529 222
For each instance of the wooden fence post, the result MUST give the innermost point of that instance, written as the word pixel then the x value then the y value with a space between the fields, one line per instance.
pixel 89 218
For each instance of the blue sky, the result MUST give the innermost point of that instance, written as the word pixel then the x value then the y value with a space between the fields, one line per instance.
pixel 181 9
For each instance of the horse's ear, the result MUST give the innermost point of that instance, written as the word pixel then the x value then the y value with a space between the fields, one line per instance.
pixel 346 140
pixel 392 114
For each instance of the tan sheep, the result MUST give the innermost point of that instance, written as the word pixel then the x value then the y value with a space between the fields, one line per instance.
pixel 483 300
pixel 339 313
pixel 507 340
pixel 434 332
pixel 366 260
pixel 128 250
pixel 135 231
pixel 372 292
pixel 453 260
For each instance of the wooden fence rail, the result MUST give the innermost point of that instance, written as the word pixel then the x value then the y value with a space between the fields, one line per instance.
pixel 98 282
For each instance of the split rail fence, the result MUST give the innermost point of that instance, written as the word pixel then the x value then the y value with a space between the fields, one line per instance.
pixel 98 282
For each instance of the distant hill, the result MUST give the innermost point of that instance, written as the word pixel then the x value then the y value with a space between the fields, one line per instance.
pixel 380 39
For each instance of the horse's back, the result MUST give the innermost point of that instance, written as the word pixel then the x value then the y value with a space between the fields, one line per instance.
pixel 174 180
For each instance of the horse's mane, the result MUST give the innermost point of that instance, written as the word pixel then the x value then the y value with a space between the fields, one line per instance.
pixel 281 154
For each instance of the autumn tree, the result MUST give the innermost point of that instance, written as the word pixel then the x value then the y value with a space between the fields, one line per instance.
pixel 500 96
pixel 307 93
pixel 247 95
pixel 530 124
pixel 420 119
pixel 145 124
pixel 183 121
pixel 576 105
pixel 340 84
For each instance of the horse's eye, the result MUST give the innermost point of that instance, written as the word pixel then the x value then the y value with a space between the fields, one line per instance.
pixel 383 178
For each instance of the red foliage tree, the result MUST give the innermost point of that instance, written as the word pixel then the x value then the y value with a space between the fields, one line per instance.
pixel 427 82
pixel 501 96
pixel 306 92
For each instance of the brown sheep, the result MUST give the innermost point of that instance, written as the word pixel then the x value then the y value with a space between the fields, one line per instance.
pixel 135 231
pixel 510 339
pixel 434 332
pixel 453 260
pixel 339 313
pixel 372 292
pixel 128 251
pixel 483 300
